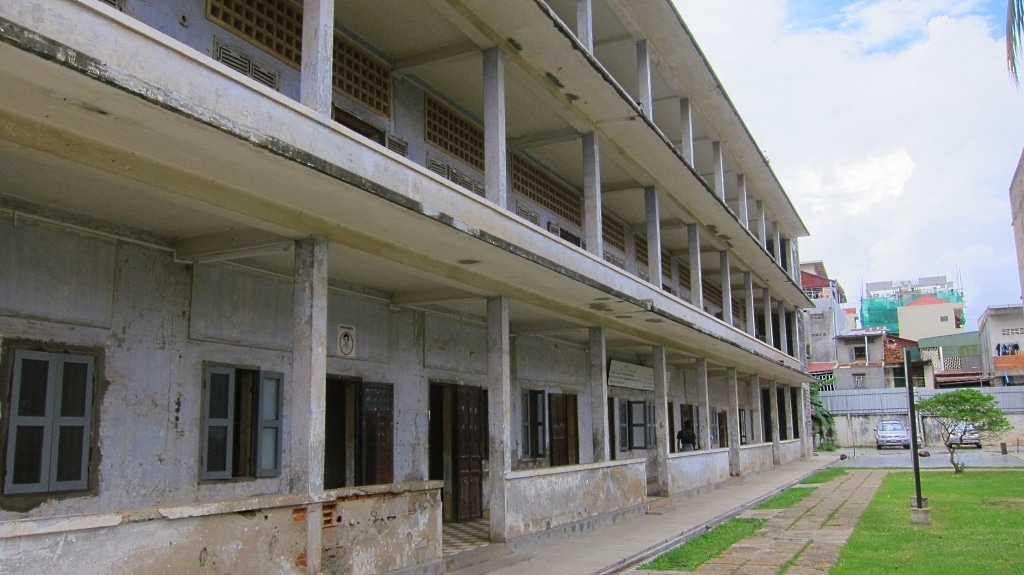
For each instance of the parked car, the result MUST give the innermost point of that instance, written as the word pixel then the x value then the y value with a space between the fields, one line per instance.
pixel 963 434
pixel 892 433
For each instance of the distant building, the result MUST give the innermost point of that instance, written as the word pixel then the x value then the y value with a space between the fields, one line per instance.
pixel 1017 215
pixel 822 322
pixel 956 359
pixel 914 309
pixel 1001 335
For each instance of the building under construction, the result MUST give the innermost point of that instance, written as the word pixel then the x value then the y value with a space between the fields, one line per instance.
pixel 925 307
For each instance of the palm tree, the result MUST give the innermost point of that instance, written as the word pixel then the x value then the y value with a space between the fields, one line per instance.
pixel 1014 37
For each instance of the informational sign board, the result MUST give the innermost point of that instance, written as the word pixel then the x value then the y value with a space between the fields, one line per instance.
pixel 622 374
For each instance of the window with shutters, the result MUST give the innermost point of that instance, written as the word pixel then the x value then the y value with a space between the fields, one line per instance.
pixel 636 423
pixel 241 422
pixel 533 424
pixel 49 422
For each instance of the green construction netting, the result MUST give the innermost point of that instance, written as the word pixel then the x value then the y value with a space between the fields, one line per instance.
pixel 880 311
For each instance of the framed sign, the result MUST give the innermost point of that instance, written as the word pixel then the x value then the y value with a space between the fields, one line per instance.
pixel 347 340
pixel 622 374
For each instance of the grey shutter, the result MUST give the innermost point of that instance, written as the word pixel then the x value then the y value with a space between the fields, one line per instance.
pixel 218 413
pixel 268 425
pixel 29 437
pixel 72 415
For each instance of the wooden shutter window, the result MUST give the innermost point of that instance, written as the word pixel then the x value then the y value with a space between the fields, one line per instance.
pixel 219 411
pixel 268 426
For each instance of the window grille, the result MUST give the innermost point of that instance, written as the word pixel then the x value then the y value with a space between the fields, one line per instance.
pixel 613 232
pixel 453 174
pixel 245 64
pixel 537 184
pixel 453 133
pixel 527 214
pixel 666 267
pixel 614 259
pixel 363 77
pixel 1013 331
pixel 275 25
pixel 398 146
pixel 119 4
pixel 641 251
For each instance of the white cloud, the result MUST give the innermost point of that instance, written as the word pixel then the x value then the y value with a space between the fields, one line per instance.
pixel 891 123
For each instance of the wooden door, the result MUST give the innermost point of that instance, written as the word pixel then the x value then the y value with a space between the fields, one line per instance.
pixel 375 442
pixel 469 466
pixel 559 429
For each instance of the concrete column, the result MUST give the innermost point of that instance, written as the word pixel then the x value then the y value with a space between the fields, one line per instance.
pixel 653 236
pixel 748 301
pixel 783 331
pixel 674 265
pixel 308 388
pixel 632 266
pixel 499 402
pixel 686 116
pixel 794 258
pixel 744 208
pixel 643 70
pixel 759 224
pixel 703 403
pixel 769 331
pixel 719 167
pixel 734 421
pixel 599 393
pixel 316 78
pixel 592 195
pixel 661 416
pixel 805 419
pixel 723 259
pixel 696 285
pixel 585 24
pixel 777 243
pixel 773 401
pixel 757 431
pixel 495 151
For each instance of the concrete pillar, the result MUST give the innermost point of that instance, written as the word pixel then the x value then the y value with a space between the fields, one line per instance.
pixel 760 227
pixel 795 259
pixel 674 265
pixel 723 259
pixel 308 389
pixel 748 302
pixel 592 195
pixel 805 419
pixel 744 208
pixel 632 266
pixel 585 24
pixel 718 163
pixel 777 243
pixel 769 331
pixel 696 285
pixel 703 403
pixel 653 236
pixel 643 71
pixel 316 78
pixel 686 116
pixel 734 421
pixel 661 416
pixel 599 393
pixel 773 400
pixel 757 430
pixel 495 151
pixel 783 331
pixel 499 402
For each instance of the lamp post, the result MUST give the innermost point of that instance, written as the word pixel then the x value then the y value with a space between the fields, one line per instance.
pixel 920 513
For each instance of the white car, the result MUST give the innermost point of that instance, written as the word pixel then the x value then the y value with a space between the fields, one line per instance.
pixel 963 434
pixel 892 434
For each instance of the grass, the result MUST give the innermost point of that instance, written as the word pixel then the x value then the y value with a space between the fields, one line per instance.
pixel 824 475
pixel 977 521
pixel 786 499
pixel 698 550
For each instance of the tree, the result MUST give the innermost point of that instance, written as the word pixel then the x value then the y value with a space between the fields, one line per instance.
pixel 1014 37
pixel 821 419
pixel 951 410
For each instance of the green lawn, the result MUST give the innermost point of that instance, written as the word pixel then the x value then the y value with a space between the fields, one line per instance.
pixel 786 499
pixel 698 550
pixel 977 527
pixel 824 475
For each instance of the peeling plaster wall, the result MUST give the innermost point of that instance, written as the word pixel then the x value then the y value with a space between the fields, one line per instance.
pixel 382 529
pixel 697 471
pixel 537 500
pixel 261 541
pixel 790 450
pixel 755 458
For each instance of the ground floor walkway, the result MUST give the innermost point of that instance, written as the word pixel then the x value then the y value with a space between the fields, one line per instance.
pixel 617 547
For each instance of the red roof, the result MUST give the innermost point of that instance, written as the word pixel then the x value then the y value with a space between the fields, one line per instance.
pixel 809 280
pixel 850 310
pixel 817 366
pixel 927 299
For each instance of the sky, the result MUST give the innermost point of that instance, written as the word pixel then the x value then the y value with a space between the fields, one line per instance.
pixel 892 125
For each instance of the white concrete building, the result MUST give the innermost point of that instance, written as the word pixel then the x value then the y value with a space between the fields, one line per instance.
pixel 1001 329
pixel 288 287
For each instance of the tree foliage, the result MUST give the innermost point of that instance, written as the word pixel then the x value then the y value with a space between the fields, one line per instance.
pixel 821 419
pixel 964 406
pixel 1014 37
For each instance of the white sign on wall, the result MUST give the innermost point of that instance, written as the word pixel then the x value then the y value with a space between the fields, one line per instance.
pixel 347 340
pixel 622 374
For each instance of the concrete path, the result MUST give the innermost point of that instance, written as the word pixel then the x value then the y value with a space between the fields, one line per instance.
pixel 807 537
pixel 616 548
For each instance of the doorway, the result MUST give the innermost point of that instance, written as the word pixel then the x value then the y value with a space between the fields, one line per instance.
pixel 458 438
pixel 358 433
